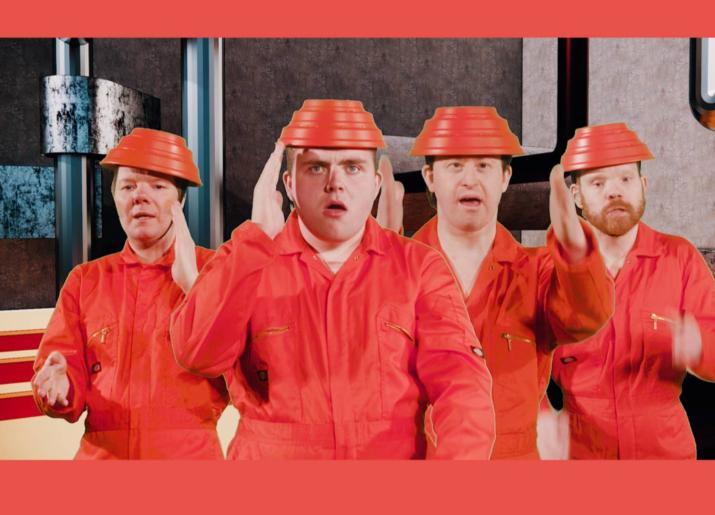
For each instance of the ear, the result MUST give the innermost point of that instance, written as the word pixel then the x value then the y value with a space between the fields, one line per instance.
pixel 506 177
pixel 428 176
pixel 288 183
pixel 644 182
pixel 576 194
pixel 378 182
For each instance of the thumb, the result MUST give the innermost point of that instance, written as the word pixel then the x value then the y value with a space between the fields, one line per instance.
pixel 557 172
pixel 399 191
pixel 55 358
pixel 278 199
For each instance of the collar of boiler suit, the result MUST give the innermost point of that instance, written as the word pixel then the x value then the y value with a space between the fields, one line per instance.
pixel 129 257
pixel 646 244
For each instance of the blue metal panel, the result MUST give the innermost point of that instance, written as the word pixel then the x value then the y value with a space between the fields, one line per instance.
pixel 27 202
pixel 202 110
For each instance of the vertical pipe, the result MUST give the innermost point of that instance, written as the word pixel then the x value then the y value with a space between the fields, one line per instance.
pixel 202 126
pixel 73 179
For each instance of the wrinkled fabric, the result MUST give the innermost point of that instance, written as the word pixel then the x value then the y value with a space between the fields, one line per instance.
pixel 338 366
pixel 524 302
pixel 112 325
pixel 620 388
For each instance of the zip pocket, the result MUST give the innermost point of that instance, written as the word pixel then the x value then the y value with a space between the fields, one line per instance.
pixel 509 337
pixel 399 329
pixel 656 318
pixel 101 334
pixel 270 331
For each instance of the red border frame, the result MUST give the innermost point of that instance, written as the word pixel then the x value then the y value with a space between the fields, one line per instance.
pixel 392 487
pixel 368 18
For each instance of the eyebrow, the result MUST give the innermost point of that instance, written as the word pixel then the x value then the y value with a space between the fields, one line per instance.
pixel 314 161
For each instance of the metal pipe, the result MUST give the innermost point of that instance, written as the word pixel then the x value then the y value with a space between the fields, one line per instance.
pixel 73 178
pixel 202 126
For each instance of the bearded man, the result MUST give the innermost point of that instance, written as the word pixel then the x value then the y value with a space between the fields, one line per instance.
pixel 622 386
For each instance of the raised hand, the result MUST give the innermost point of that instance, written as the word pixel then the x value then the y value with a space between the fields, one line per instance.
pixel 267 210
pixel 390 210
pixel 564 219
pixel 184 270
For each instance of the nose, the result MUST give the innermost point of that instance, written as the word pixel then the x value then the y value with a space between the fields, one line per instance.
pixel 335 180
pixel 139 194
pixel 470 175
pixel 614 190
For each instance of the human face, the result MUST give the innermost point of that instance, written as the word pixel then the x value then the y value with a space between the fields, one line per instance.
pixel 468 189
pixel 612 198
pixel 333 190
pixel 144 201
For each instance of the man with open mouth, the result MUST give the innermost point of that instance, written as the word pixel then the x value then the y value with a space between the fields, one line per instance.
pixel 522 301
pixel 107 346
pixel 622 387
pixel 338 339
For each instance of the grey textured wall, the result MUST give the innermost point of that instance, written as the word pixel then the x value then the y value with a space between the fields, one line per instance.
pixel 644 82
pixel 401 81
pixel 22 63
pixel 152 66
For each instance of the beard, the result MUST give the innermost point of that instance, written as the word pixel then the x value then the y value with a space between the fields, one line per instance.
pixel 615 224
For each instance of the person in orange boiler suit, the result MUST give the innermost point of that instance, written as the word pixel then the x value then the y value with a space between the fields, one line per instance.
pixel 337 333
pixel 622 387
pixel 106 349
pixel 522 302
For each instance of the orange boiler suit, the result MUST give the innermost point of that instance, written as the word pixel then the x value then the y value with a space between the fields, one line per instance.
pixel 338 366
pixel 524 302
pixel 112 325
pixel 620 387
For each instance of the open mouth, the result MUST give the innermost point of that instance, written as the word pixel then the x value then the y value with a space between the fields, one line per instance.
pixel 335 208
pixel 470 201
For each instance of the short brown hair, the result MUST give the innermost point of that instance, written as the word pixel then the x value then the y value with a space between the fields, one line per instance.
pixel 429 161
pixel 292 151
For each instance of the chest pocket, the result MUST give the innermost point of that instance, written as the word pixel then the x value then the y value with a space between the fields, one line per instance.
pixel 273 367
pixel 397 354
pixel 512 361
pixel 657 337
pixel 101 354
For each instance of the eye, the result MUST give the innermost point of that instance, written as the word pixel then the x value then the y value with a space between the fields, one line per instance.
pixel 626 179
pixel 353 169
pixel 316 168
pixel 454 165
pixel 127 187
pixel 597 184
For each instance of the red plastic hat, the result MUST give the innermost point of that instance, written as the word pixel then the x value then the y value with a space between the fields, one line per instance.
pixel 156 151
pixel 332 124
pixel 603 145
pixel 466 131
